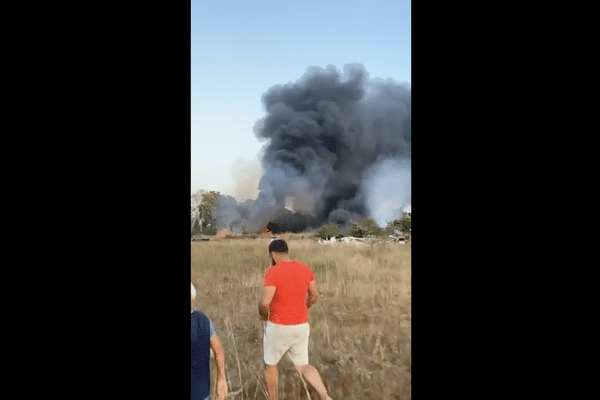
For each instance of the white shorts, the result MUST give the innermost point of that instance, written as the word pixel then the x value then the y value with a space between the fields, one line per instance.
pixel 281 338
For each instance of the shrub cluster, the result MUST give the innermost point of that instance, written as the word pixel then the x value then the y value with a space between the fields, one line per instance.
pixel 329 230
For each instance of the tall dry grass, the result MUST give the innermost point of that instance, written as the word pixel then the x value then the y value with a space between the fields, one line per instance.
pixel 360 328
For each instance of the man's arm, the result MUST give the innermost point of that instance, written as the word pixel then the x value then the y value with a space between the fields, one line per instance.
pixel 217 348
pixel 313 294
pixel 265 301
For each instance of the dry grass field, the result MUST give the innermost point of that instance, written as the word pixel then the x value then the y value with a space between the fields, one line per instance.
pixel 360 328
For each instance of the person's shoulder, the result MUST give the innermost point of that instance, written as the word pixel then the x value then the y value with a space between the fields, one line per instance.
pixel 301 264
pixel 199 314
pixel 271 273
pixel 270 270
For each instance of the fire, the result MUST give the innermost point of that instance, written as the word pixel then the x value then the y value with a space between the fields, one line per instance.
pixel 226 232
pixel 266 233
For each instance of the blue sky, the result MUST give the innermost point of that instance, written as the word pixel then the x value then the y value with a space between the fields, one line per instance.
pixel 239 49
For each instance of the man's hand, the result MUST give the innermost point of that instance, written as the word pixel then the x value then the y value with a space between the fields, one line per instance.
pixel 221 388
pixel 263 317
pixel 265 302
pixel 313 294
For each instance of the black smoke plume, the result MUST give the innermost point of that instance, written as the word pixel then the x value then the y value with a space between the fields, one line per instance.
pixel 326 134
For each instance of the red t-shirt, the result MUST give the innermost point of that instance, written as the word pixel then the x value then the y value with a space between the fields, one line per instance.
pixel 291 280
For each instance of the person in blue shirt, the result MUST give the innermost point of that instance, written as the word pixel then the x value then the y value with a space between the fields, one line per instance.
pixel 202 339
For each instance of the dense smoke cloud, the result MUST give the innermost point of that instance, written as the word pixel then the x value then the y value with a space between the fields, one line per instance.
pixel 327 135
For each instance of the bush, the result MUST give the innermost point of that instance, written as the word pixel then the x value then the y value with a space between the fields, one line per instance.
pixel 209 230
pixel 402 224
pixel 364 227
pixel 196 230
pixel 328 230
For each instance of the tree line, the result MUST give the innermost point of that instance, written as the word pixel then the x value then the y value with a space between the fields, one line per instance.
pixel 204 221
pixel 366 227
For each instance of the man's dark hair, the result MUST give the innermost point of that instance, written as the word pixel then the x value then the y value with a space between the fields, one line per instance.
pixel 278 246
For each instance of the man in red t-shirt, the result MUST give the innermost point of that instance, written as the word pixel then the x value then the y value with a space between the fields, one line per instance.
pixel 284 306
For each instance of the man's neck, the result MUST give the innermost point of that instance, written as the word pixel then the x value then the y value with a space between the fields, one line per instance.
pixel 283 259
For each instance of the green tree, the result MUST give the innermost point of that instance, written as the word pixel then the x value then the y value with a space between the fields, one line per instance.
pixel 207 210
pixel 328 230
pixel 363 228
pixel 401 224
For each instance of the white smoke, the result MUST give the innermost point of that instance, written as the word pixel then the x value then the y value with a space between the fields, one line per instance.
pixel 388 191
